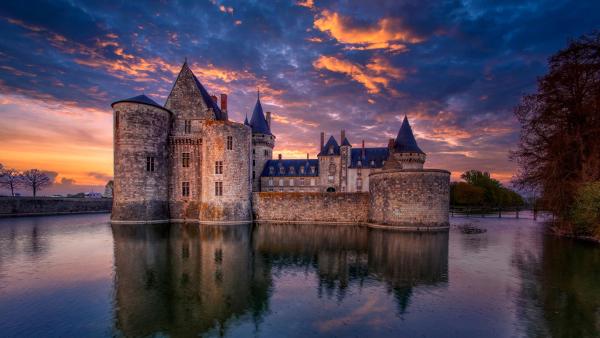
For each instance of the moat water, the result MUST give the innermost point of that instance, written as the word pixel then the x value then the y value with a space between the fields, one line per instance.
pixel 76 276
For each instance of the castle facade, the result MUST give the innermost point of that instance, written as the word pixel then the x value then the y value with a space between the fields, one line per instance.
pixel 187 161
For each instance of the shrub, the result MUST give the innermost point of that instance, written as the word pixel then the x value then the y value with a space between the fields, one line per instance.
pixel 586 210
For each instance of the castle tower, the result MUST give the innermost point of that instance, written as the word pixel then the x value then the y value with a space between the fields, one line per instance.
pixel 329 165
pixel 263 142
pixel 404 194
pixel 345 149
pixel 404 151
pixel 141 128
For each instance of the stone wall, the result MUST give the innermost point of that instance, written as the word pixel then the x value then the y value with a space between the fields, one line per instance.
pixel 140 131
pixel 310 207
pixel 409 197
pixel 50 205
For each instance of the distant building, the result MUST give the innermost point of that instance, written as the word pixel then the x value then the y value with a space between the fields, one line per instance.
pixel 108 189
pixel 93 195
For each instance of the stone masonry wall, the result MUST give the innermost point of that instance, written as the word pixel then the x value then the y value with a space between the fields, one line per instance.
pixel 409 197
pixel 18 206
pixel 310 207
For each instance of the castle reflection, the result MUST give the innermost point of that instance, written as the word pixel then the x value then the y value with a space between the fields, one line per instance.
pixel 183 280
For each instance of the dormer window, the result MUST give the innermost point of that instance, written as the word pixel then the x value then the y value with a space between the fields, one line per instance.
pixel 301 170
pixel 271 170
pixel 292 171
pixel 330 150
pixel 359 163
pixel 282 170
pixel 312 169
pixel 372 163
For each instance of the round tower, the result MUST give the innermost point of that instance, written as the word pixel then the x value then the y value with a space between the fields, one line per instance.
pixel 141 128
pixel 263 142
pixel 403 194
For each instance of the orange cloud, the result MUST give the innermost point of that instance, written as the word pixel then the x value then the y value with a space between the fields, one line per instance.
pixel 385 34
pixel 306 3
pixel 374 76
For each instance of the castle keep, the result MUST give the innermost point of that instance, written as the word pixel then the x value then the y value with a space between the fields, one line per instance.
pixel 185 161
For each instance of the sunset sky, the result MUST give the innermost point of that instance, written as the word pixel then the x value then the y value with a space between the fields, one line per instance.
pixel 456 68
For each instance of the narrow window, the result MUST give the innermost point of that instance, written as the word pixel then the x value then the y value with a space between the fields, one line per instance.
pixel 291 182
pixel 219 167
pixel 253 174
pixel 218 188
pixel 185 160
pixel 312 181
pixel 229 142
pixel 330 150
pixel 270 182
pixel 185 189
pixel 150 163
pixel 266 153
pixel 253 163
pixel 302 170
pixel 271 170
pixel 372 163
pixel 187 126
pixel 282 170
pixel 312 169
pixel 301 182
pixel 281 182
pixel 292 171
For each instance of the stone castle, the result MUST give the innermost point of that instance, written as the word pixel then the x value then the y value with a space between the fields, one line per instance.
pixel 186 161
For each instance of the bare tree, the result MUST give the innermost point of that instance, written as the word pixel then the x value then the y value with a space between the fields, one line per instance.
pixel 36 180
pixel 10 179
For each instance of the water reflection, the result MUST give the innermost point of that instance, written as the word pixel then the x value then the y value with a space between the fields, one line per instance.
pixel 182 280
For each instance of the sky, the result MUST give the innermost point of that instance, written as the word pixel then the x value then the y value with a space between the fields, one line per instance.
pixel 456 68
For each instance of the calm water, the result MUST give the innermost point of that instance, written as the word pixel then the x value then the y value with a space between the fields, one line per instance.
pixel 76 276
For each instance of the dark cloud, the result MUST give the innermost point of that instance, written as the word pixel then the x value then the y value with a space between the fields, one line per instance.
pixel 464 64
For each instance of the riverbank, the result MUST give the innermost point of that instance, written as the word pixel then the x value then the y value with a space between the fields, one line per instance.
pixel 29 206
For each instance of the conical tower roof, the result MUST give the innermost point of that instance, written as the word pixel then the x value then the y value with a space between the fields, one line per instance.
pixel 333 144
pixel 143 99
pixel 258 122
pixel 405 141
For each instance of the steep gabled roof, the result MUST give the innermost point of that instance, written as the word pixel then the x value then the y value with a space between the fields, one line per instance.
pixel 377 156
pixel 258 122
pixel 273 168
pixel 331 143
pixel 345 142
pixel 405 141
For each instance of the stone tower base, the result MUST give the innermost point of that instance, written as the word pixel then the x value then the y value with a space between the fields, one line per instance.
pixel 411 198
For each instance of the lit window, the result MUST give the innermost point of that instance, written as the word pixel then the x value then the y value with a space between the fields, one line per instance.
pixel 330 150
pixel 187 126
pixel 185 189
pixel 185 160
pixel 218 167
pixel 229 142
pixel 218 188
pixel 150 163
pixel 372 163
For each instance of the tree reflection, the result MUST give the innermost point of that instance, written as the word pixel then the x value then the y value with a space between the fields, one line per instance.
pixel 560 292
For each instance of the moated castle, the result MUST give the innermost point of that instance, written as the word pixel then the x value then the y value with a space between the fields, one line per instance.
pixel 186 161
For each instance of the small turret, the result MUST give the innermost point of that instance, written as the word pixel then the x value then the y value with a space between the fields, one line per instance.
pixel 263 141
pixel 404 151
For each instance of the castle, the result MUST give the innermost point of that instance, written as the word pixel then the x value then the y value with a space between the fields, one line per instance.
pixel 185 161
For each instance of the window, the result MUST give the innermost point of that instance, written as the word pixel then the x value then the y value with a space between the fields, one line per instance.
pixel 253 151
pixel 312 169
pixel 229 142
pixel 270 182
pixel 253 163
pixel 359 163
pixel 150 163
pixel 281 170
pixel 291 182
pixel 253 174
pixel 312 182
pixel 281 182
pixel 266 153
pixel 301 182
pixel 330 178
pixel 218 188
pixel 185 189
pixel 218 167
pixel 271 170
pixel 382 162
pixel 330 150
pixel 332 169
pixel 302 170
pixel 187 126
pixel 372 163
pixel 185 160
pixel 292 171
pixel 359 184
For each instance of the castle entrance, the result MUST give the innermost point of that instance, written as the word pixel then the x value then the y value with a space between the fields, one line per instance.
pixel 331 189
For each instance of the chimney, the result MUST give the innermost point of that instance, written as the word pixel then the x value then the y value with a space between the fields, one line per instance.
pixel 269 119
pixel 307 156
pixel 391 144
pixel 362 151
pixel 224 102
pixel 322 141
pixel 214 97
pixel 280 157
pixel 342 136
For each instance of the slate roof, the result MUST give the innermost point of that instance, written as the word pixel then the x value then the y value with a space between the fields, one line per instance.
pixel 405 141
pixel 258 122
pixel 345 142
pixel 140 99
pixel 378 155
pixel 287 164
pixel 208 100
pixel 333 143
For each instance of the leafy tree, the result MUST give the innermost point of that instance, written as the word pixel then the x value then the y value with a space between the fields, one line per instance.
pixel 10 179
pixel 559 148
pixel 586 212
pixel 462 193
pixel 36 180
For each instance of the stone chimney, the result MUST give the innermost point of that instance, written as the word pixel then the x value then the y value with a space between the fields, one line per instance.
pixel 280 157
pixel 391 143
pixel 322 141
pixel 362 151
pixel 215 99
pixel 224 102
pixel 307 156
pixel 269 119
pixel 342 136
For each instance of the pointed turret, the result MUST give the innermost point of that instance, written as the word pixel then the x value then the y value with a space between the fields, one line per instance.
pixel 246 121
pixel 258 122
pixel 331 147
pixel 405 141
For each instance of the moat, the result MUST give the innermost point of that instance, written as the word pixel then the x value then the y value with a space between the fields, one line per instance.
pixel 78 276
